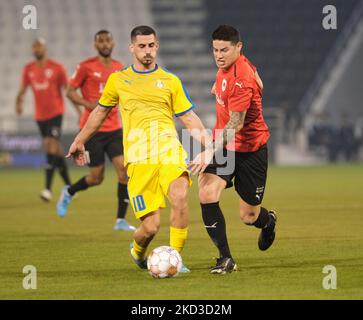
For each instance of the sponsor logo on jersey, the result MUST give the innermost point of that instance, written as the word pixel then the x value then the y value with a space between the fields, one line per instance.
pixel 41 85
pixel 219 100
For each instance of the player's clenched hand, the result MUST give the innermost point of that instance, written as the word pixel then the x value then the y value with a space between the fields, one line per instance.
pixel 78 152
pixel 201 161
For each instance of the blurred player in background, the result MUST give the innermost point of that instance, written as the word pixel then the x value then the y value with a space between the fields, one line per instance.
pixel 90 77
pixel 238 91
pixel 47 78
pixel 156 161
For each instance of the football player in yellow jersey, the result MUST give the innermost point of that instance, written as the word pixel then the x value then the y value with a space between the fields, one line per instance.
pixel 149 96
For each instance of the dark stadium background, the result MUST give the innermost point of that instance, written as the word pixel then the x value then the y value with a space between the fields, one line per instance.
pixel 313 104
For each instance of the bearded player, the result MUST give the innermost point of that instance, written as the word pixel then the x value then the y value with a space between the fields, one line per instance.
pixel 149 96
pixel 90 77
pixel 47 78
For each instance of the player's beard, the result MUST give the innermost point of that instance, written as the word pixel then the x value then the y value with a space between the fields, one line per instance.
pixel 147 60
pixel 39 56
pixel 105 53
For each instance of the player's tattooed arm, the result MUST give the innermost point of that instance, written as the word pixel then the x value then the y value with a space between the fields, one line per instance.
pixel 235 124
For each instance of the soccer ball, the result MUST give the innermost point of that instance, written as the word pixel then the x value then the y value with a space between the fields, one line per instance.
pixel 164 262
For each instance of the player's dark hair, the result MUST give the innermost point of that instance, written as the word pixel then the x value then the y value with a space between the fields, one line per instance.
pixel 226 33
pixel 103 31
pixel 142 31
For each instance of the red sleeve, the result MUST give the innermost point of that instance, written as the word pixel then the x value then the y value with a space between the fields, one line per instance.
pixel 251 65
pixel 78 77
pixel 25 79
pixel 63 77
pixel 240 96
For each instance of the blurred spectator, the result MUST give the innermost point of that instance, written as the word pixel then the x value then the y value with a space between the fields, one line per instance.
pixel 336 142
pixel 348 142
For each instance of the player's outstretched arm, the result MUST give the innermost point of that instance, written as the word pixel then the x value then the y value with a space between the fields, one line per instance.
pixel 94 122
pixel 192 122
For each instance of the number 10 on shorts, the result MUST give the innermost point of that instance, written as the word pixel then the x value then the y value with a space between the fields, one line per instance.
pixel 139 203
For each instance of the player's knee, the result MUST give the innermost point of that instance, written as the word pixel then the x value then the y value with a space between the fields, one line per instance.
pixel 122 177
pixel 179 198
pixel 47 143
pixel 208 194
pixel 178 195
pixel 51 145
pixel 95 180
pixel 151 229
pixel 247 216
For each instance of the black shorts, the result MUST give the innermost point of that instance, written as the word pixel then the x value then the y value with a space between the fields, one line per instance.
pixel 102 143
pixel 51 127
pixel 249 174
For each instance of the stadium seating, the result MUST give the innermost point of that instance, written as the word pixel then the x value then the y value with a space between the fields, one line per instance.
pixel 69 27
pixel 286 42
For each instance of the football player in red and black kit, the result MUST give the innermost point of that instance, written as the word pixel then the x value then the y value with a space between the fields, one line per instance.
pixel 47 79
pixel 238 91
pixel 90 77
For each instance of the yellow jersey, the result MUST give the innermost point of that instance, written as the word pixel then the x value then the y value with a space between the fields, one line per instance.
pixel 148 100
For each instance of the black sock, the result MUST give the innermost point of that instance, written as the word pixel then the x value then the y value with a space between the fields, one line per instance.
pixel 216 227
pixel 81 184
pixel 49 170
pixel 263 219
pixel 123 200
pixel 63 170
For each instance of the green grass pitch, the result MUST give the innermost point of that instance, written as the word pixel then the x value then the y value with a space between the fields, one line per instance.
pixel 320 222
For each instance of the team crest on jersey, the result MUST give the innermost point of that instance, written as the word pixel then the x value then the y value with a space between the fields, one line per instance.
pixel 48 73
pixel 159 84
pixel 224 85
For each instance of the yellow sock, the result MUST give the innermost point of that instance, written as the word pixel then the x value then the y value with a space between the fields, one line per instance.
pixel 138 251
pixel 178 238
